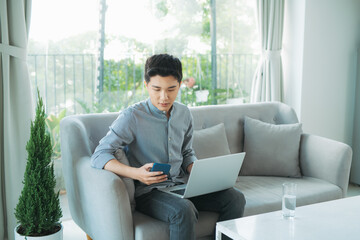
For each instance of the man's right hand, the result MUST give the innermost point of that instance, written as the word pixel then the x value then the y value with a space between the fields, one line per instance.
pixel 145 176
pixel 142 174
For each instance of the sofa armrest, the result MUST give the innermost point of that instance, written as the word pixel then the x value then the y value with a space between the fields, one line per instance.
pixel 103 201
pixel 326 159
pixel 98 199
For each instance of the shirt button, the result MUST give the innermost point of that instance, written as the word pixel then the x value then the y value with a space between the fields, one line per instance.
pixel 170 154
pixel 169 139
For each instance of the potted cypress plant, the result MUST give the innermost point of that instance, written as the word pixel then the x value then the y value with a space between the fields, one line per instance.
pixel 38 211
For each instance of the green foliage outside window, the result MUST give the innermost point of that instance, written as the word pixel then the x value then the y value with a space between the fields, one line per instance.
pixel 123 85
pixel 52 122
pixel 53 128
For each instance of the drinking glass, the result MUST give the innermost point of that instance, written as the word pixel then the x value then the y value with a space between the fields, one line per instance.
pixel 289 200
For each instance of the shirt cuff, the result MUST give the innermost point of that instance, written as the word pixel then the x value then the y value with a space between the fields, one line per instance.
pixel 101 160
pixel 187 161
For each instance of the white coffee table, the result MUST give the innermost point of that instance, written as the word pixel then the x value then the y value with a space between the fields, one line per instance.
pixel 338 219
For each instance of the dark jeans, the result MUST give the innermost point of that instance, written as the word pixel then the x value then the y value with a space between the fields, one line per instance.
pixel 182 214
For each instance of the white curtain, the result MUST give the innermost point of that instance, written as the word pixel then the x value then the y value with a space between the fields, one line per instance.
pixel 267 81
pixel 16 108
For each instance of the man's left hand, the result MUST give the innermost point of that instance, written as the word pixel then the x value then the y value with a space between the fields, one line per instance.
pixel 190 167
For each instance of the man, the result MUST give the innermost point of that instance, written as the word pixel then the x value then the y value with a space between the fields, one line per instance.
pixel 161 130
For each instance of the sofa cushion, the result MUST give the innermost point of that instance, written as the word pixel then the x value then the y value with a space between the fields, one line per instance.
pixel 271 150
pixel 211 142
pixel 263 194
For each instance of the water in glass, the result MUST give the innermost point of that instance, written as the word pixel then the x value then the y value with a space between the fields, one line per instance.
pixel 288 205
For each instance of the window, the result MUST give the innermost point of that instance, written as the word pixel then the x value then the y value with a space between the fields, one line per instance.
pixel 62 61
pixel 88 55
pixel 137 29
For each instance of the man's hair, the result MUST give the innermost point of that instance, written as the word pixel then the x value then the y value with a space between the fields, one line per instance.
pixel 163 65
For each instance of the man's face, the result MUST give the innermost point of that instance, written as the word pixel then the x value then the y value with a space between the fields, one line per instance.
pixel 163 91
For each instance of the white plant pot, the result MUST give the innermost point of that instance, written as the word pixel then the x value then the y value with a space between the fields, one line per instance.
pixel 55 236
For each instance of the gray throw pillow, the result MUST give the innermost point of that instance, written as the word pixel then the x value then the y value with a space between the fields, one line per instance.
pixel 271 150
pixel 211 142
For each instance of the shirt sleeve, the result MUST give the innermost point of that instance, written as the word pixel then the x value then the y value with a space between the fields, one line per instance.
pixel 120 134
pixel 187 150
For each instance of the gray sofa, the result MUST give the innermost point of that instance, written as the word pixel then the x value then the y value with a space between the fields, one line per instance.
pixel 100 201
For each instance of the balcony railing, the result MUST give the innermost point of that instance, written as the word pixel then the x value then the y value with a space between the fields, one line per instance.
pixel 69 81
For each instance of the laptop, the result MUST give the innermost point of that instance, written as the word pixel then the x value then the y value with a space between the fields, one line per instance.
pixel 209 175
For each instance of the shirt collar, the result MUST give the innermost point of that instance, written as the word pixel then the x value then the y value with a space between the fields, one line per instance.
pixel 154 110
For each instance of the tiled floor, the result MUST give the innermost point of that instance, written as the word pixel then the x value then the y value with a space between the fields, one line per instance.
pixel 73 232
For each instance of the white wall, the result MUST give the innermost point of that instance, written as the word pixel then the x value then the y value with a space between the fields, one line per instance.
pixel 321 38
pixel 355 168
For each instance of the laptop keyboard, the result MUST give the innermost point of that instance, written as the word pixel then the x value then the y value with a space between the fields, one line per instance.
pixel 179 191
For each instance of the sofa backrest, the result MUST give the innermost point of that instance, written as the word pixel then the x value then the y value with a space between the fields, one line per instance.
pixel 233 118
pixel 97 125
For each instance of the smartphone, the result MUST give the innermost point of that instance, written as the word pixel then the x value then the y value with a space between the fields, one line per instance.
pixel 161 167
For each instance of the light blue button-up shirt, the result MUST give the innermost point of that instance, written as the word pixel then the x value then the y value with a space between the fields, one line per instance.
pixel 147 136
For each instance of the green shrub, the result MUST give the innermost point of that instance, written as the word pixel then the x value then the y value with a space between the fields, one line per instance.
pixel 38 211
